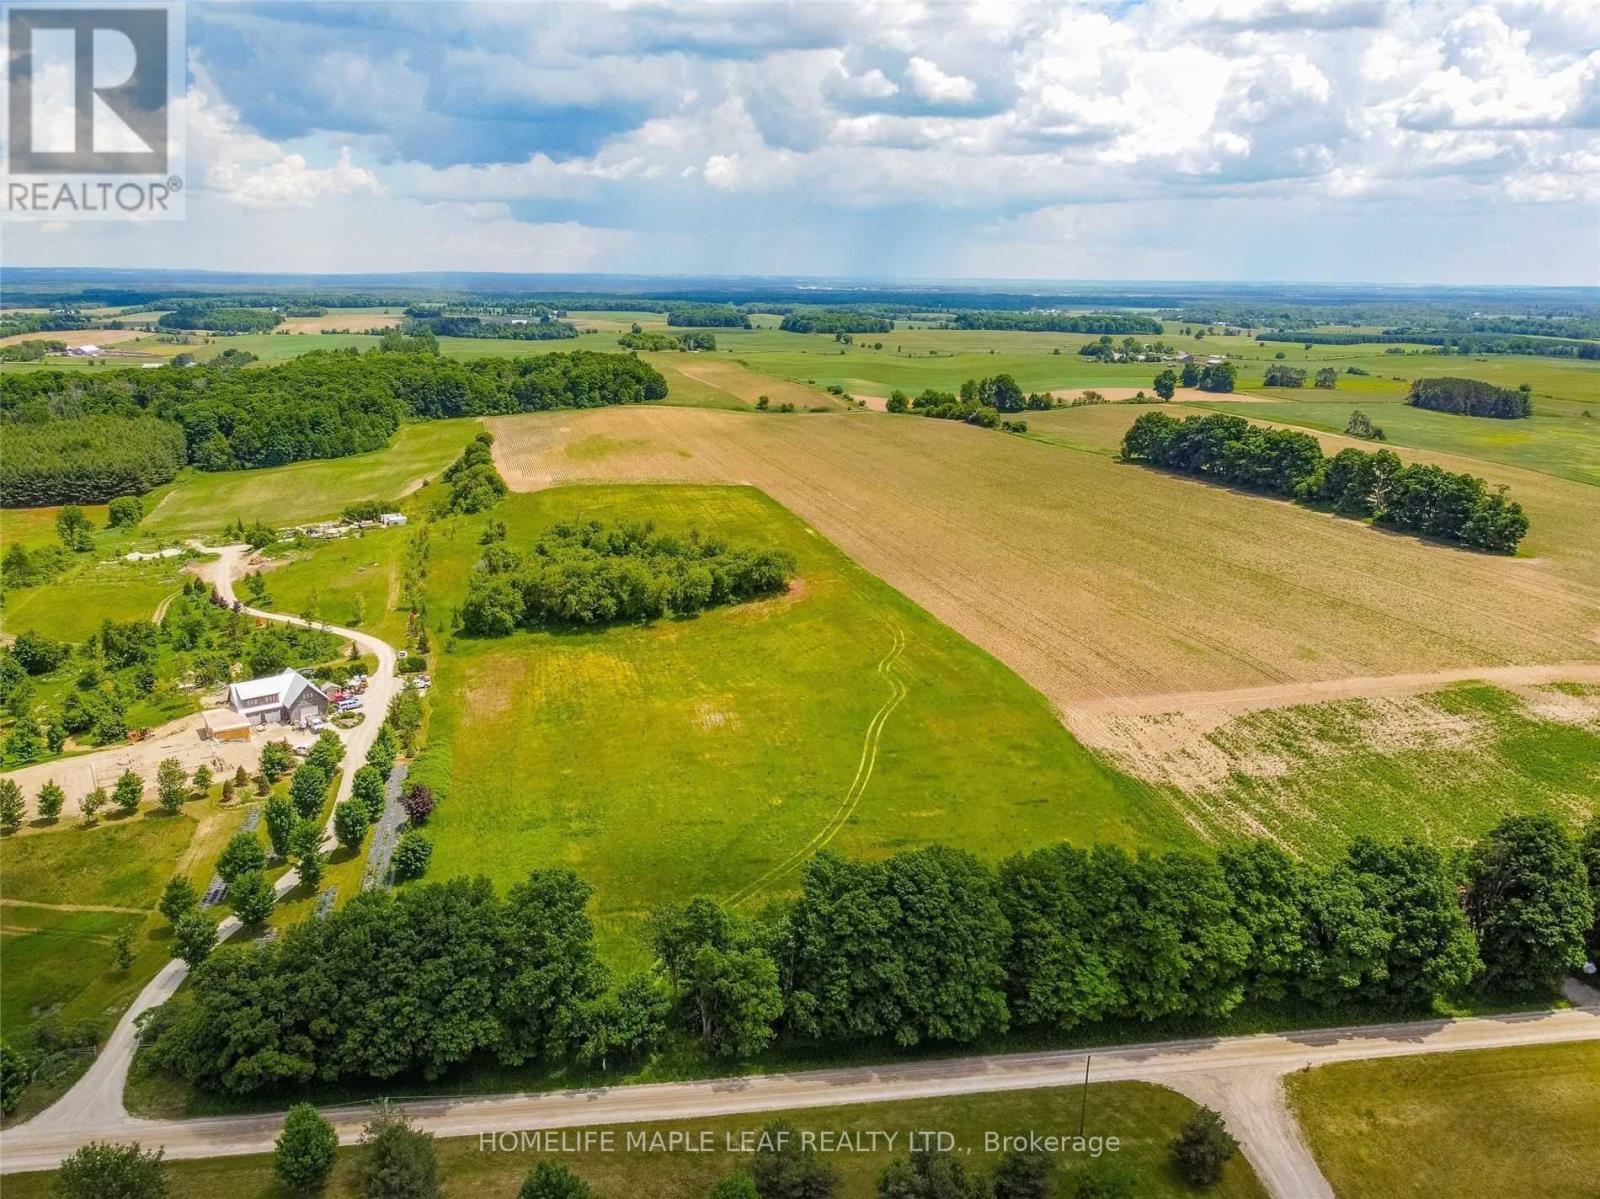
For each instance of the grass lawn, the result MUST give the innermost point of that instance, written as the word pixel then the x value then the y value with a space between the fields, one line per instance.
pixel 715 754
pixel 1142 1117
pixel 1491 1123
pixel 65 895
pixel 199 502
pixel 92 590
pixel 354 581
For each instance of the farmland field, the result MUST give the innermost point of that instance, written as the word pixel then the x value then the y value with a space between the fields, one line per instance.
pixel 1437 766
pixel 73 605
pixel 1058 561
pixel 712 755
pixel 1142 1117
pixel 1558 439
pixel 200 501
pixel 1490 1123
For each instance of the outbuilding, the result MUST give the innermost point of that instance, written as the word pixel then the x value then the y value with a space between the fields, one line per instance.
pixel 285 698
pixel 224 724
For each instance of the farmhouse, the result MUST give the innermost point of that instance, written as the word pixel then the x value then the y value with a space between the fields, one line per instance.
pixel 288 698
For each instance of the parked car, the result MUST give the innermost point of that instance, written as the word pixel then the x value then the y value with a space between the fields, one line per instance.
pixel 349 705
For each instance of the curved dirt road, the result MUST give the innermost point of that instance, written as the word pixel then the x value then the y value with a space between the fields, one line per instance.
pixel 94 1105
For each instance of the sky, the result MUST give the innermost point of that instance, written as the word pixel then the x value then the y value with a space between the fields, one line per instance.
pixel 1441 141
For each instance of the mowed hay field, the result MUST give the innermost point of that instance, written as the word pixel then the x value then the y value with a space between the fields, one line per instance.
pixel 1477 1125
pixel 714 755
pixel 1094 579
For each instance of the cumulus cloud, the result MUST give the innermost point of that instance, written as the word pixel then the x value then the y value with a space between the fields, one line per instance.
pixel 254 171
pixel 844 128
pixel 934 86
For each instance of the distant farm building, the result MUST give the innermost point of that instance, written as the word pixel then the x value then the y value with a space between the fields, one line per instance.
pixel 287 698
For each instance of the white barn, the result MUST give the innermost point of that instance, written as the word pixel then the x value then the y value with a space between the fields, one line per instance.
pixel 286 698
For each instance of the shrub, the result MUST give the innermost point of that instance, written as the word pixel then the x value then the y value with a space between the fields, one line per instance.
pixel 1203 1146
pixel 124 512
pixel 243 853
pixel 417 800
pixel 128 791
pixel 552 1180
pixel 51 800
pixel 308 789
pixel 350 823
pixel 194 937
pixel 367 788
pixel 14 1078
pixel 178 900
pixel 104 1171
pixel 304 1152
pixel 397 1161
pixel 252 898
pixel 411 856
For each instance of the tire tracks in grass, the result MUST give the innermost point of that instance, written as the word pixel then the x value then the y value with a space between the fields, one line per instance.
pixel 858 785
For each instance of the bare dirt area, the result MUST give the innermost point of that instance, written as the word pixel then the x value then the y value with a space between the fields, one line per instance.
pixel 337 321
pixel 1096 580
pixel 745 384
pixel 179 740
pixel 78 337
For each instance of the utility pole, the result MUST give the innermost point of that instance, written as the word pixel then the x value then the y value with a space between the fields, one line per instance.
pixel 1083 1113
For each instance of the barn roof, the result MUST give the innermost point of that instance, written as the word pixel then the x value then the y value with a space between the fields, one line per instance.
pixel 287 685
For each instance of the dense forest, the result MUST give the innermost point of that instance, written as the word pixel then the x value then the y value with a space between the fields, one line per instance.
pixel 219 319
pixel 13 323
pixel 1418 498
pixel 930 946
pixel 542 328
pixel 707 316
pixel 1469 397
pixel 88 459
pixel 834 320
pixel 326 404
pixel 596 573
pixel 1058 322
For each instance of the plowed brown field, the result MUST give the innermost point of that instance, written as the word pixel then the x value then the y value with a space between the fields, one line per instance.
pixel 1093 579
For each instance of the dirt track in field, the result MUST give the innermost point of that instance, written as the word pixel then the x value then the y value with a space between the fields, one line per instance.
pixel 1096 580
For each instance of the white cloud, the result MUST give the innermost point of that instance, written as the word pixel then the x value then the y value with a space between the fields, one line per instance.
pixel 934 86
pixel 254 171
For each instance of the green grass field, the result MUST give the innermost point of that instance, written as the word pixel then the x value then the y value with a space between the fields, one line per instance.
pixel 66 892
pixel 1558 439
pixel 1480 1125
pixel 697 756
pixel 201 502
pixel 1143 1118
pixel 92 590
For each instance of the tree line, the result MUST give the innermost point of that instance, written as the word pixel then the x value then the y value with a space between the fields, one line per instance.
pixel 219 319
pixel 1058 322
pixel 1471 397
pixel 1448 342
pixel 596 573
pixel 326 404
pixel 542 328
pixel 707 316
pixel 1416 498
pixel 929 946
pixel 834 320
